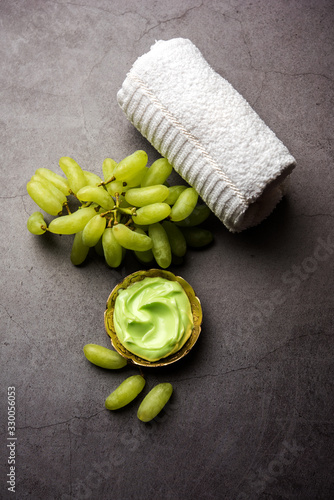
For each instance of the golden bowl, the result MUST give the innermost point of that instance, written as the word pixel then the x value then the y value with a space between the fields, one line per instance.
pixel 195 307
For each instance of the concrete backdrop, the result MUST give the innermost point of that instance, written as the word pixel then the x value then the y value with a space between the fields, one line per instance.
pixel 252 412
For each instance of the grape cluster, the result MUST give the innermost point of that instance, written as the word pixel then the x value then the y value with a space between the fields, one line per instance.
pixel 132 208
pixel 131 387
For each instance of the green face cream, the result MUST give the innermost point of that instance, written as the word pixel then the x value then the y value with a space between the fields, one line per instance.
pixel 153 318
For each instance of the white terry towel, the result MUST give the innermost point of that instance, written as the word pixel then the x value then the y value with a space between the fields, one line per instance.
pixel 207 131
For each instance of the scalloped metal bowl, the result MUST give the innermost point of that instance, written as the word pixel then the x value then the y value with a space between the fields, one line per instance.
pixel 195 307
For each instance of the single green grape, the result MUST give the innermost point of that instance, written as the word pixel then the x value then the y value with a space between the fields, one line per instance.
pixel 73 223
pixel 176 238
pixel 74 173
pixel 43 197
pixel 139 197
pixel 79 250
pixel 130 167
pixel 93 230
pixel 51 187
pixel 145 257
pixel 144 227
pixel 57 180
pixel 116 187
pixel 174 193
pixel 154 402
pixel 112 250
pixel 125 393
pixel 108 167
pixel 98 195
pixel 92 179
pixel 99 248
pixel 184 205
pixel 158 172
pixel 149 214
pixel 197 216
pixel 131 240
pixel 197 237
pixel 36 223
pixel 103 357
pixel 160 245
pixel 135 181
pixel 123 203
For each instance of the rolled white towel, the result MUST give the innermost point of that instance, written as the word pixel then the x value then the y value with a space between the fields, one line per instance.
pixel 207 131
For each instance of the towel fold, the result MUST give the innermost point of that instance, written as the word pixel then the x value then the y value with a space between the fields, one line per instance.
pixel 207 131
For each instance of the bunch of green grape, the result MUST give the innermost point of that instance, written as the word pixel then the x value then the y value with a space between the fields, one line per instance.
pixel 132 208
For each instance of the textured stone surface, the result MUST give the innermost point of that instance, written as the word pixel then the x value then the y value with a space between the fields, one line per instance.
pixel 252 412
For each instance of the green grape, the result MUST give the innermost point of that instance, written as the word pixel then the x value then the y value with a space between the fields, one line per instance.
pixel 136 180
pixel 129 167
pixel 184 205
pixel 99 248
pixel 79 250
pixel 131 240
pixel 174 193
pixel 43 197
pixel 160 245
pixel 108 167
pixel 197 216
pixel 98 195
pixel 51 187
pixel 158 172
pixel 74 173
pixel 197 237
pixel 154 402
pixel 123 203
pixel 93 230
pixel 103 357
pixel 99 210
pixel 144 227
pixel 57 180
pixel 176 238
pixel 139 197
pixel 112 250
pixel 151 213
pixel 125 393
pixel 115 187
pixel 147 256
pixel 92 179
pixel 73 223
pixel 36 223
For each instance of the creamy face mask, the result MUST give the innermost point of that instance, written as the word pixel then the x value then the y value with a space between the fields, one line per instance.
pixel 153 318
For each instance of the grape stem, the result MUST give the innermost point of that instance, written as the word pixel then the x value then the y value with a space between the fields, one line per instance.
pixel 103 183
pixel 71 192
pixel 67 208
pixel 105 214
pixel 127 211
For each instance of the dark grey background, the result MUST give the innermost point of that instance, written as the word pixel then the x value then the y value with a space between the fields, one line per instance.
pixel 252 412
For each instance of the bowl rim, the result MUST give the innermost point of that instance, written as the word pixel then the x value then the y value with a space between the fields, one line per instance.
pixel 196 309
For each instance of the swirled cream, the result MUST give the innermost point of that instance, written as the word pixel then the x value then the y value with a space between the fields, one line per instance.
pixel 153 318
